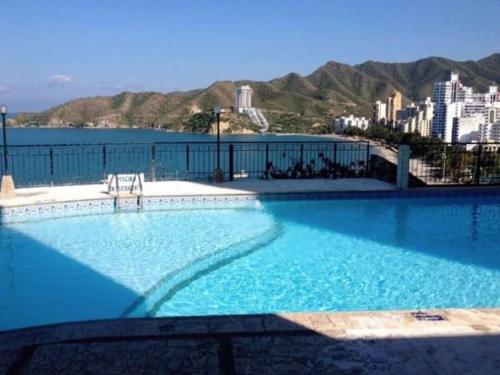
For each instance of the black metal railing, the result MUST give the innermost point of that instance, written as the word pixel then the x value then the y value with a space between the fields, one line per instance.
pixel 39 165
pixel 456 163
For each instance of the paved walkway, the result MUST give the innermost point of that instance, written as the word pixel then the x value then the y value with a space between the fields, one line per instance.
pixel 28 196
pixel 463 342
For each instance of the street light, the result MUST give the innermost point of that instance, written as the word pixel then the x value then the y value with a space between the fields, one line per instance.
pixel 3 110
pixel 218 174
pixel 7 188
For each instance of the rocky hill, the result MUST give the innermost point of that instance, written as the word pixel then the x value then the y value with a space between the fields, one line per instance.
pixel 330 90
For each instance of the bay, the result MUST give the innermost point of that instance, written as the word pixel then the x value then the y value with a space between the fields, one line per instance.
pixel 45 136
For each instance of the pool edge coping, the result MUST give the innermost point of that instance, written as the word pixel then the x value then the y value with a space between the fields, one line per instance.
pixel 439 190
pixel 339 325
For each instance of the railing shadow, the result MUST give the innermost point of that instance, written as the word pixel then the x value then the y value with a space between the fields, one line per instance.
pixel 411 224
pixel 41 286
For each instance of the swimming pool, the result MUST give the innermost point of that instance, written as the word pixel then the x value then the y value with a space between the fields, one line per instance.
pixel 252 256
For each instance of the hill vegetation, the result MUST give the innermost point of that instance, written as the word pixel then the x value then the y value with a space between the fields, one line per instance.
pixel 292 103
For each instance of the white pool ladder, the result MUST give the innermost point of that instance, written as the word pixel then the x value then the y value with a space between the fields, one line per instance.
pixel 132 189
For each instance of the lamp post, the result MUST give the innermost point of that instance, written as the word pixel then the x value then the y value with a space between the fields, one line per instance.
pixel 218 174
pixel 3 110
pixel 7 187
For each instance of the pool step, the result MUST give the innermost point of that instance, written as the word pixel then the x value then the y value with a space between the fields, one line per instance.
pixel 133 203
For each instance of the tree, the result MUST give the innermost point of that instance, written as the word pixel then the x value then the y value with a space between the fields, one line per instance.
pixel 200 122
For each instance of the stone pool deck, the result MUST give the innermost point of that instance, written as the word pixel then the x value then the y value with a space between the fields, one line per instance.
pixel 28 196
pixel 464 342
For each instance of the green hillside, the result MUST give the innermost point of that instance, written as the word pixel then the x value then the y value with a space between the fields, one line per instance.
pixel 330 90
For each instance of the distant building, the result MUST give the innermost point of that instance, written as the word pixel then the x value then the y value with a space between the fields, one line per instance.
pixel 455 113
pixel 343 122
pixel 394 103
pixel 490 130
pixel 243 105
pixel 492 113
pixel 452 116
pixel 417 118
pixel 460 115
pixel 467 129
pixel 379 115
pixel 443 95
pixel 243 98
pixel 493 133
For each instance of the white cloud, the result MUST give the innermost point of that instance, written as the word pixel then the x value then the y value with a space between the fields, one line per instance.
pixel 115 85
pixel 6 88
pixel 59 80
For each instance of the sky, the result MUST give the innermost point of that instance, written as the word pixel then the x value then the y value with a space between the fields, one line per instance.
pixel 57 50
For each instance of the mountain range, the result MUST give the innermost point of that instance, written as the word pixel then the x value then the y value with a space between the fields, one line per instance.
pixel 330 90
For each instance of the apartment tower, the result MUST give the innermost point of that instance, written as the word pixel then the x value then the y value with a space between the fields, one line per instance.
pixel 243 98
pixel 394 103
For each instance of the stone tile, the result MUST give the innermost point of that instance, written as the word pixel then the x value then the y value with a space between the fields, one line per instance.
pixel 371 320
pixel 187 326
pixel 322 355
pixel 489 316
pixel 8 358
pixel 321 321
pixel 134 357
pixel 304 343
pixel 334 333
pixel 288 322
pixel 478 354
pixel 226 324
pixel 253 324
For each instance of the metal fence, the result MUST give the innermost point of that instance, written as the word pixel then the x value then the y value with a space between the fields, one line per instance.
pixel 39 165
pixel 456 163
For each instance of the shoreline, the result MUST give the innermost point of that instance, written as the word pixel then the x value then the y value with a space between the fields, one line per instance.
pixel 332 135
pixel 176 132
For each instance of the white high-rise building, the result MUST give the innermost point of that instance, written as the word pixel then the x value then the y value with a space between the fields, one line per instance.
pixel 417 118
pixel 467 129
pixel 426 114
pixel 243 105
pixel 243 98
pixel 490 130
pixel 444 94
pixel 460 115
pixel 343 122
pixel 452 113
pixel 379 113
pixel 492 114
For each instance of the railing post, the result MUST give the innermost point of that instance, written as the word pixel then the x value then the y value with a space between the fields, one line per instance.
pixel 187 158
pixel 153 162
pixel 51 158
pixel 477 175
pixel 267 154
pixel 403 171
pixel 231 163
pixel 104 161
pixel 51 166
pixel 301 153
pixel 367 165
pixel 335 169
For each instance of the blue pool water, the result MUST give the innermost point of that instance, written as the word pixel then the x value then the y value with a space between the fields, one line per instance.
pixel 255 257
